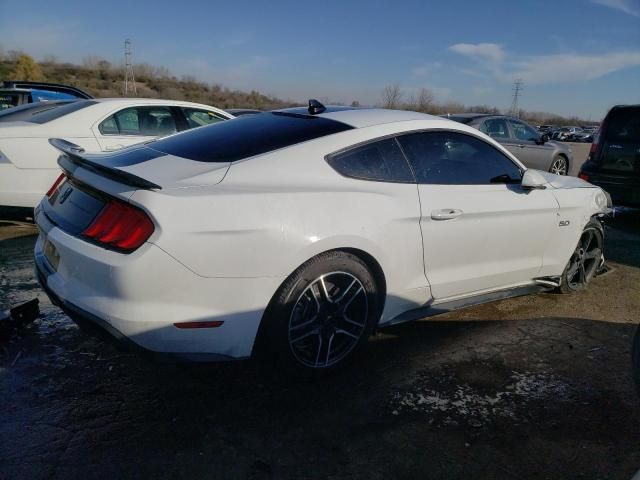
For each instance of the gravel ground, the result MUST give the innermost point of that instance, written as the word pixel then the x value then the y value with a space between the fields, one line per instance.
pixel 533 387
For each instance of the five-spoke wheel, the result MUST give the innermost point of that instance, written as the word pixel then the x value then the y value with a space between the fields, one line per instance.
pixel 323 312
pixel 328 319
pixel 585 260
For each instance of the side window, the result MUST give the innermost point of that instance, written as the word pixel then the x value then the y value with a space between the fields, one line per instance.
pixel 199 118
pixel 109 126
pixel 381 161
pixel 140 121
pixel 523 132
pixel 449 158
pixel 495 128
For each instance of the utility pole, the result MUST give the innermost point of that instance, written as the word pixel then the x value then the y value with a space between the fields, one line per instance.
pixel 517 91
pixel 129 78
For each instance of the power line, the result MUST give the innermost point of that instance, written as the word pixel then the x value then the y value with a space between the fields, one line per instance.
pixel 129 78
pixel 517 91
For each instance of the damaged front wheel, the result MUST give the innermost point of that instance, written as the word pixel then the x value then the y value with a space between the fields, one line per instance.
pixel 585 261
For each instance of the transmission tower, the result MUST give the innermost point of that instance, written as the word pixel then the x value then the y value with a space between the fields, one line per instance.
pixel 517 91
pixel 129 78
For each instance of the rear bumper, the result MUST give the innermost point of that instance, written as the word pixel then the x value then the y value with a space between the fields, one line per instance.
pixel 136 299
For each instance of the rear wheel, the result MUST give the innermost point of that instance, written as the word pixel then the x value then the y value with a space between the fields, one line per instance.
pixel 323 313
pixel 585 261
pixel 559 166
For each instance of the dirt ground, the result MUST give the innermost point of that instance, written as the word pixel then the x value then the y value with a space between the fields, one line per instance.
pixel 536 387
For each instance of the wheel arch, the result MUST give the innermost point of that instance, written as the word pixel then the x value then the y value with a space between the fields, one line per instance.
pixel 366 257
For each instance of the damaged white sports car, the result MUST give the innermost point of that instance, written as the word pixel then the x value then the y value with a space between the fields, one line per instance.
pixel 298 232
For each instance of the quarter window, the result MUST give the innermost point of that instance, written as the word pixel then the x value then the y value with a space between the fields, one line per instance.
pixel 381 161
pixel 448 158
pixel 200 118
pixel 140 121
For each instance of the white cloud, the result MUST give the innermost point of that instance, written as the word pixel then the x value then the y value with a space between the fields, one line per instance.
pixel 571 68
pixel 491 60
pixel 630 7
pixel 482 51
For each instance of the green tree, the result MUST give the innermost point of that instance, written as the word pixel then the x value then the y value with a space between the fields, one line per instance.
pixel 26 69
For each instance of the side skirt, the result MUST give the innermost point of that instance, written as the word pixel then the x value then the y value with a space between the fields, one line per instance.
pixel 431 309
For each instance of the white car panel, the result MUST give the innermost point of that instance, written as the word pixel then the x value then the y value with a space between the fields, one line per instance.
pixel 29 164
pixel 497 233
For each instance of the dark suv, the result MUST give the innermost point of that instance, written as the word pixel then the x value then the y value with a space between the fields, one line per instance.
pixel 614 160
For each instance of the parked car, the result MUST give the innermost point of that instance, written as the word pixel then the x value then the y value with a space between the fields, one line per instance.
pixel 614 159
pixel 14 93
pixel 564 134
pixel 522 140
pixel 296 233
pixel 28 161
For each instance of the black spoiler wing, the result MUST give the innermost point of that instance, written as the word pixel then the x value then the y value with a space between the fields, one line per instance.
pixel 73 157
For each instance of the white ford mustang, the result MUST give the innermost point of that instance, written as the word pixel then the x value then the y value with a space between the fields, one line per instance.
pixel 301 231
pixel 28 162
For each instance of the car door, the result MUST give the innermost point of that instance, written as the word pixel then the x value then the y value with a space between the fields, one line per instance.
pixel 132 125
pixel 481 230
pixel 528 148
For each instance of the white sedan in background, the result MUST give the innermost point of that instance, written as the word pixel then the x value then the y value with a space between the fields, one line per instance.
pixel 28 162
pixel 299 232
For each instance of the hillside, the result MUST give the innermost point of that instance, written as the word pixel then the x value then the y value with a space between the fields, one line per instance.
pixel 101 79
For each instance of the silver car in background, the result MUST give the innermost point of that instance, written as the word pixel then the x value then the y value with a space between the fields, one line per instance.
pixel 521 139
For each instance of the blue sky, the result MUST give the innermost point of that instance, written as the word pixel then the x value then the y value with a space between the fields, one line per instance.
pixel 574 56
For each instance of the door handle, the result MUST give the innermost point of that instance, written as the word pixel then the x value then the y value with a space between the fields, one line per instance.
pixel 111 148
pixel 446 214
pixel 521 145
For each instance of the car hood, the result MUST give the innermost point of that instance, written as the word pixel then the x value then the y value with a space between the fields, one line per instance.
pixel 564 181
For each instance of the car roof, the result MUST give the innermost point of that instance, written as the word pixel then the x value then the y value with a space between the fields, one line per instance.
pixel 362 117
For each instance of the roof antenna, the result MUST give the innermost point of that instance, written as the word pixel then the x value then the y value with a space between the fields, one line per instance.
pixel 315 107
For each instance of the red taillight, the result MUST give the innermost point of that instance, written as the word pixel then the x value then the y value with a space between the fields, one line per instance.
pixel 120 226
pixel 583 176
pixel 55 185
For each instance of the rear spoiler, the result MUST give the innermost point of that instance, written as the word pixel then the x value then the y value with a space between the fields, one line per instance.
pixel 72 157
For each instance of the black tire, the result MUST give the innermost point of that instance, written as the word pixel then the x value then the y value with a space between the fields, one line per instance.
pixel 585 260
pixel 635 359
pixel 292 336
pixel 560 165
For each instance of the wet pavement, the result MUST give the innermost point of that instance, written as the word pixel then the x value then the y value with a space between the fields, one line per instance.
pixel 532 387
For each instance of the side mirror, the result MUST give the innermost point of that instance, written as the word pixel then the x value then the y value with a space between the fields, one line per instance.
pixel 533 180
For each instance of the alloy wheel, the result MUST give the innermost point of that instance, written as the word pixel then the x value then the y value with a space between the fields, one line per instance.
pixel 328 319
pixel 585 260
pixel 559 166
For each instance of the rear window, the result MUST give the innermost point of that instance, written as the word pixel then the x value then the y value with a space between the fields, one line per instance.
pixel 247 136
pixel 53 114
pixel 26 111
pixel 623 125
